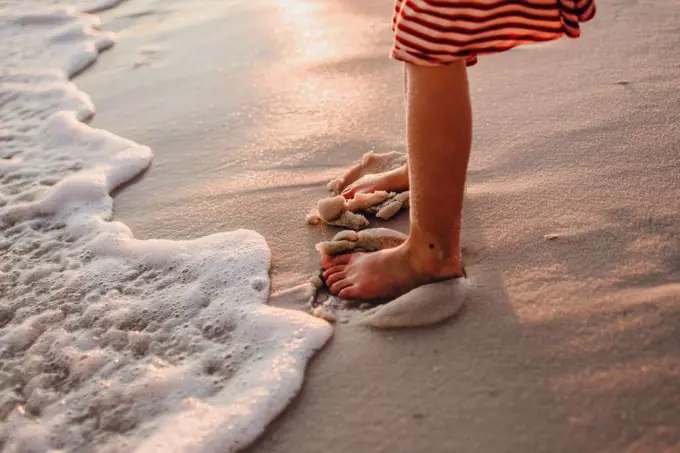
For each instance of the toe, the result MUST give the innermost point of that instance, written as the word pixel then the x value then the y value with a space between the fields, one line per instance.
pixel 330 281
pixel 348 193
pixel 359 187
pixel 333 270
pixel 340 285
pixel 332 261
pixel 350 292
pixel 327 262
pixel 349 190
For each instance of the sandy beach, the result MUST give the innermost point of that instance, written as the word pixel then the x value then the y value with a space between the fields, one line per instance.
pixel 569 344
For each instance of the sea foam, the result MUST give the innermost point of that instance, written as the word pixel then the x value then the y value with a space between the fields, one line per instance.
pixel 108 343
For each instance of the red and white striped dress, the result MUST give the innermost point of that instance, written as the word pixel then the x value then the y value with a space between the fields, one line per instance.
pixel 436 32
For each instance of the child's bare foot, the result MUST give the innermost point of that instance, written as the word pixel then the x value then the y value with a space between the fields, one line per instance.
pixel 390 181
pixel 385 274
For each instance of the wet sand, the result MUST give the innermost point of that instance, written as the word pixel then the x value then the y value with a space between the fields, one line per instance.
pixel 569 344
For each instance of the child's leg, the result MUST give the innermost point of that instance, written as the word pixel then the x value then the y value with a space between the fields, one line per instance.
pixel 439 134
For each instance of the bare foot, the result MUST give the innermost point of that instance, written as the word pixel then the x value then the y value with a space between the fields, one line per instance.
pixel 385 274
pixel 390 181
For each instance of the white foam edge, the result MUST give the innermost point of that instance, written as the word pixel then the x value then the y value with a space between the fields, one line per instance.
pixel 90 187
pixel 209 427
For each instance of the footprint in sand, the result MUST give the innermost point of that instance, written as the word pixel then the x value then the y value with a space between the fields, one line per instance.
pixel 148 56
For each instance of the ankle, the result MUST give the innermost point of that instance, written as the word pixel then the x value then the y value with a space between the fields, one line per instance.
pixel 433 261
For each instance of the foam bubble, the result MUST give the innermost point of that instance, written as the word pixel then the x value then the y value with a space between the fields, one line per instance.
pixel 109 343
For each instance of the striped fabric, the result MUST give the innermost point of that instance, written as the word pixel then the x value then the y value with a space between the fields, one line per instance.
pixel 436 32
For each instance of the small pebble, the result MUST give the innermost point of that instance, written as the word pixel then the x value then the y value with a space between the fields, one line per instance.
pixel 621 82
pixel 551 237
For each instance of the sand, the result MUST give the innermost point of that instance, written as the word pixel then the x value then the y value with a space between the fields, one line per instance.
pixel 567 344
